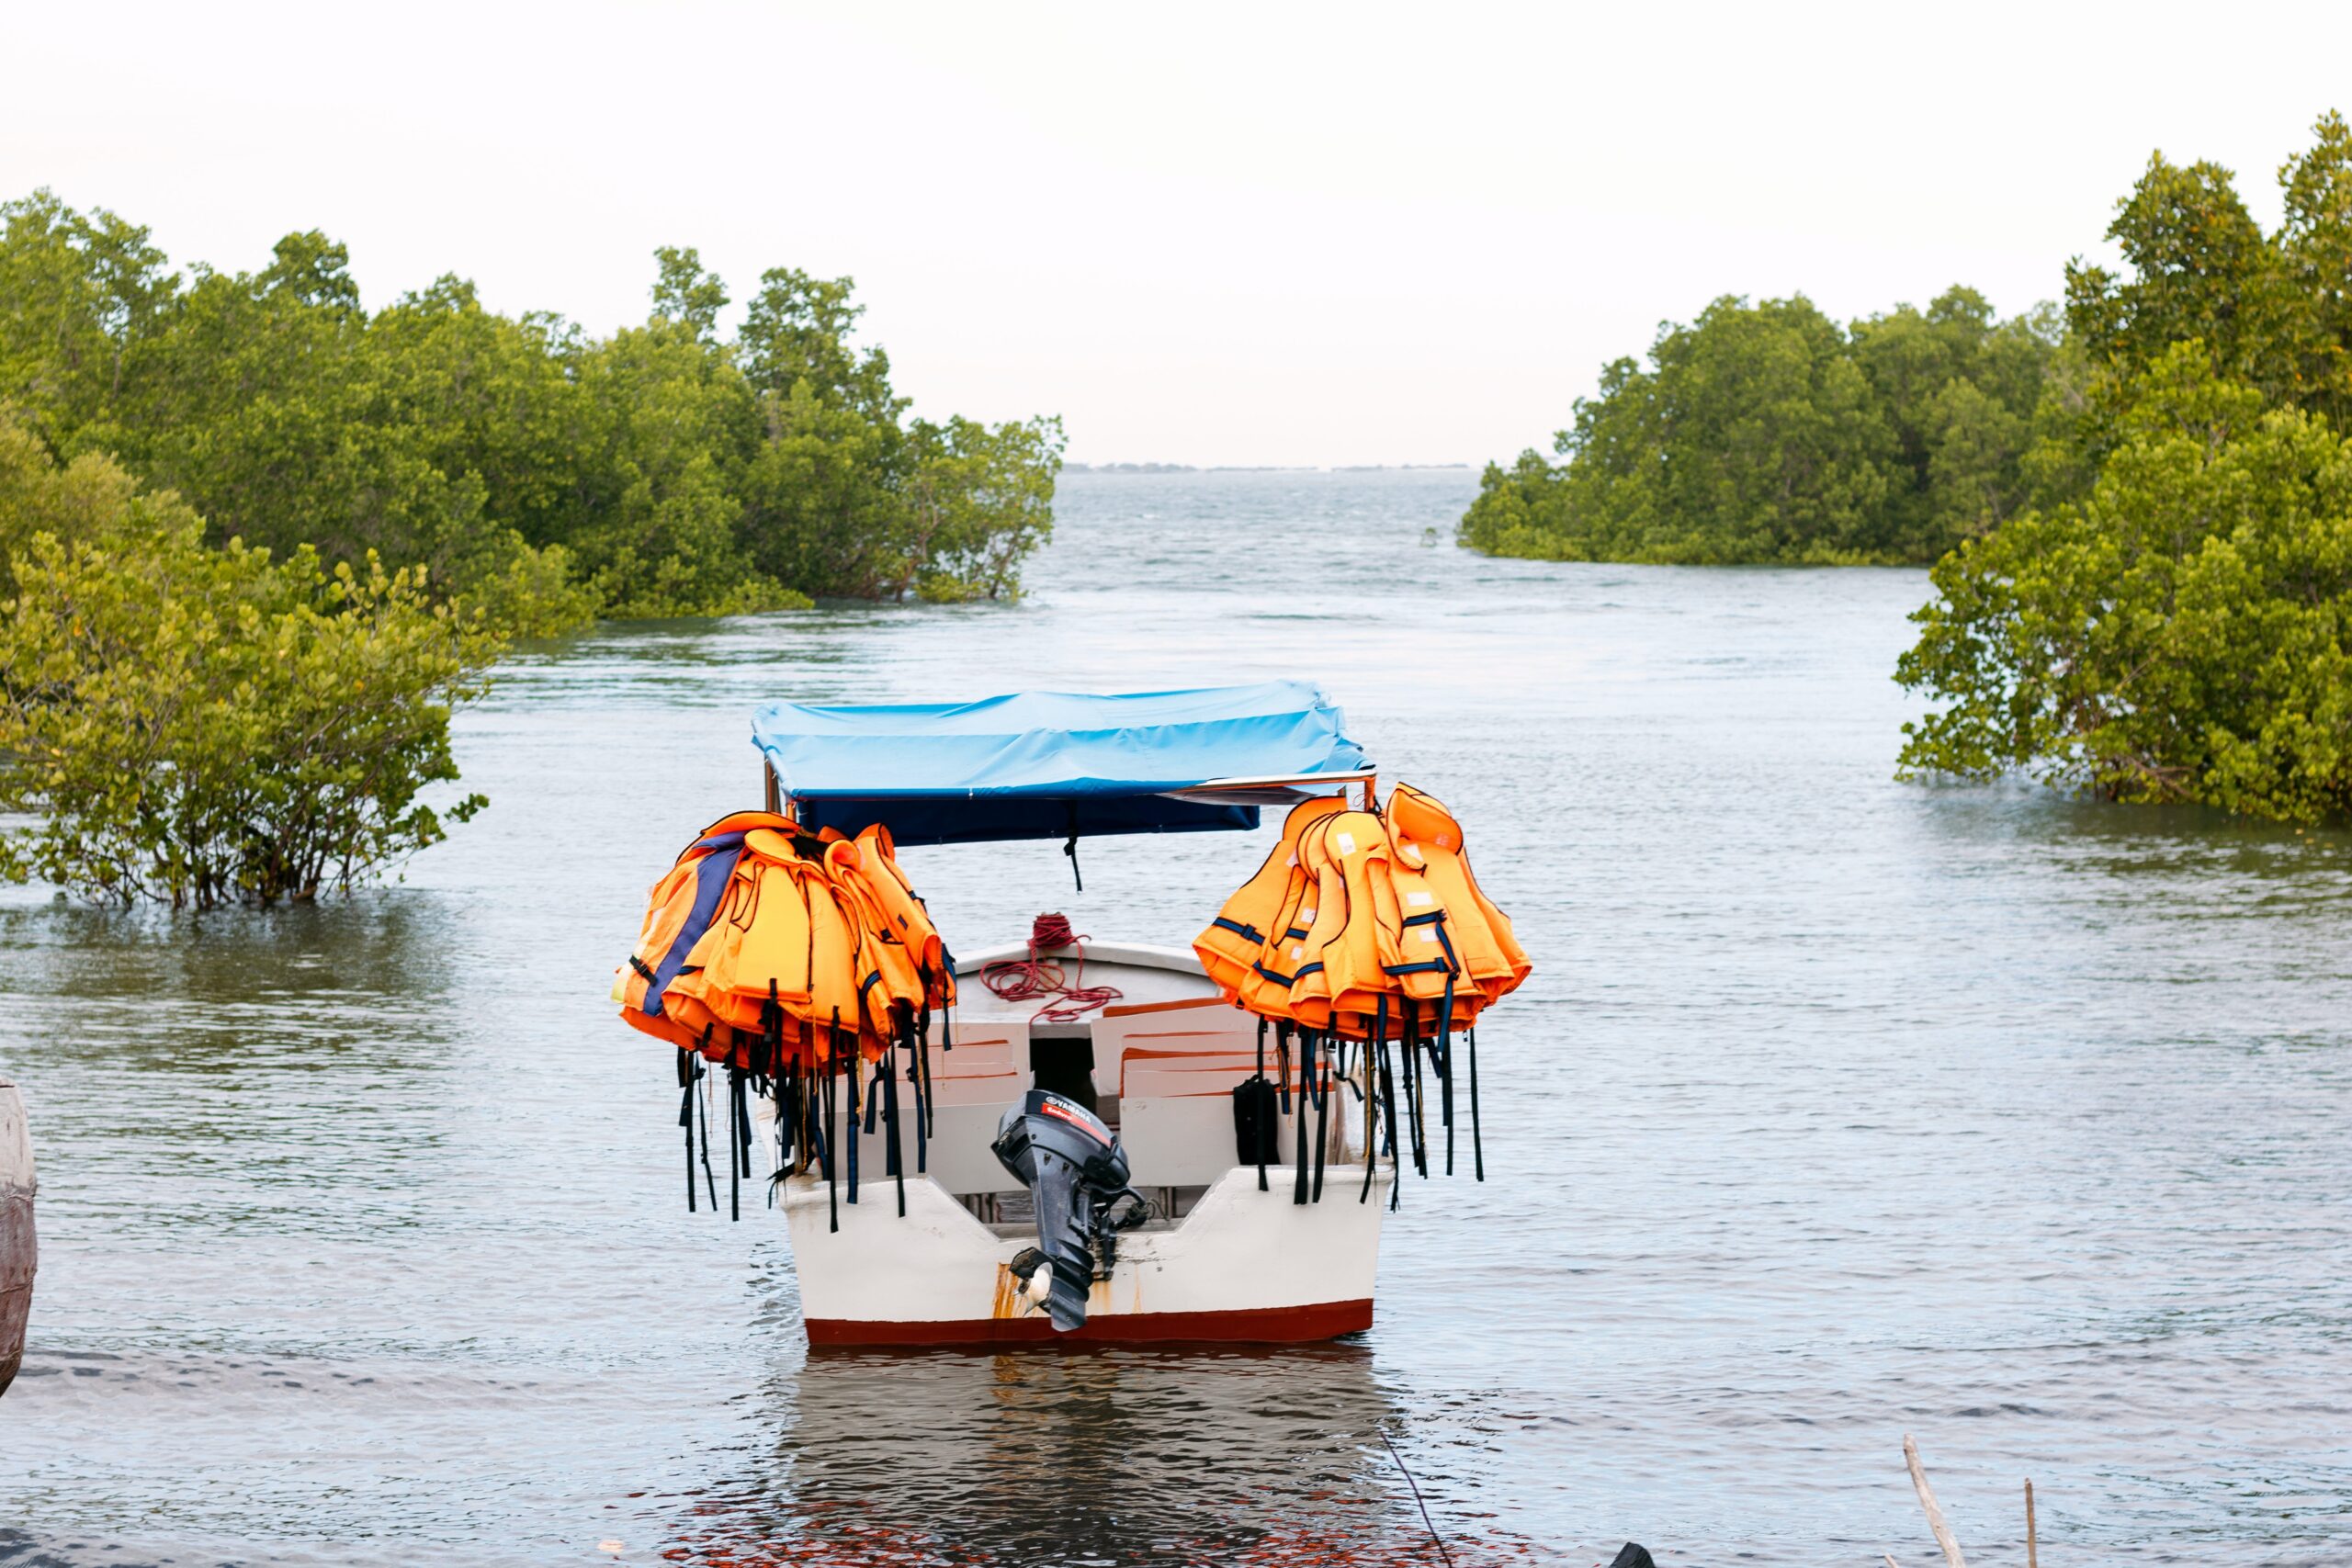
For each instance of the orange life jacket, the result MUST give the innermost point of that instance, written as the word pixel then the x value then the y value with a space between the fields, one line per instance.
pixel 889 989
pixel 1427 837
pixel 1363 908
pixel 902 915
pixel 1354 930
pixel 1422 960
pixel 1250 920
pixel 683 908
pixel 1323 912
pixel 757 950
pixel 761 931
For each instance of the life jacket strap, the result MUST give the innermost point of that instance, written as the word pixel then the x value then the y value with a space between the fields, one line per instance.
pixel 1376 1049
pixel 1445 1059
pixel 735 1151
pixel 1319 1070
pixel 923 1114
pixel 1257 1138
pixel 895 1162
pixel 850 1082
pixel 832 1195
pixel 686 1117
pixel 1298 1123
pixel 702 1126
pixel 1477 1150
pixel 1396 1152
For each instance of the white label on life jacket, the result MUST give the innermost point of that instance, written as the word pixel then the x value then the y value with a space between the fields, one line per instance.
pixel 1307 915
pixel 1410 853
pixel 1347 843
pixel 1417 899
pixel 1429 933
pixel 1297 952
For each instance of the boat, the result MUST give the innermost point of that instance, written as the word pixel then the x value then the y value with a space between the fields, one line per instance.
pixel 1225 1254
pixel 19 1250
pixel 1095 1143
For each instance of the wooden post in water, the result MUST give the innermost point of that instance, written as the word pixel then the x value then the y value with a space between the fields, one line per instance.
pixel 2032 1556
pixel 1927 1501
pixel 17 1250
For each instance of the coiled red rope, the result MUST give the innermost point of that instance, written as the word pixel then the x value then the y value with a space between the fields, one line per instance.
pixel 1024 979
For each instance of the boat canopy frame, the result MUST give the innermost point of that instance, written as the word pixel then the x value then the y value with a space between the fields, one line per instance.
pixel 1057 765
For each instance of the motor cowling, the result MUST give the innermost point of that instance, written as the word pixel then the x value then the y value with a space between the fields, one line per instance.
pixel 1076 1174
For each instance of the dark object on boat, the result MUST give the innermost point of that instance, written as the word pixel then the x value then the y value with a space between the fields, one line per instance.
pixel 1077 1174
pixel 1632 1556
pixel 18 1253
pixel 1065 1068
pixel 1256 1123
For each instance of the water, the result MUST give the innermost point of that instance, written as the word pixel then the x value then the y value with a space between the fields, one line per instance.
pixel 1836 1108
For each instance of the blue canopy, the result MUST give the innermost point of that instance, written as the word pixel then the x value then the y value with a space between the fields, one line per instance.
pixel 1053 764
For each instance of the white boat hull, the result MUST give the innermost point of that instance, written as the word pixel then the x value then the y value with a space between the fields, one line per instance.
pixel 1239 1265
pixel 1242 1266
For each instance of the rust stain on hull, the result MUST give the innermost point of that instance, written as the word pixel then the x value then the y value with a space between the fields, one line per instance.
pixel 1007 1302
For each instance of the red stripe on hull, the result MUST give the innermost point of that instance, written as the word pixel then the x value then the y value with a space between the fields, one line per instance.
pixel 1259 1326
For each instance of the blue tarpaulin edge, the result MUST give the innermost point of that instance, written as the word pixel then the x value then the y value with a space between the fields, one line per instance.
pixel 1047 764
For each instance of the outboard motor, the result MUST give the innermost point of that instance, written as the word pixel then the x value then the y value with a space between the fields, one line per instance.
pixel 1077 1174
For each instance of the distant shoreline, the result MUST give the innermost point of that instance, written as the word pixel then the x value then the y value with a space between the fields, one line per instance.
pixel 1257 468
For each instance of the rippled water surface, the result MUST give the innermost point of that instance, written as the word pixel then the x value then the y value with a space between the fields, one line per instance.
pixel 1836 1108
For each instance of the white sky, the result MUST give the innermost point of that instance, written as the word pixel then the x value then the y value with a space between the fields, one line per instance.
pixel 1203 232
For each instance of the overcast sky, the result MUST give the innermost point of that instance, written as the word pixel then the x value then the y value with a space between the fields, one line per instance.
pixel 1202 233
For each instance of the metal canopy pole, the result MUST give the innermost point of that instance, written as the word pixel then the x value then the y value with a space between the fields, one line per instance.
pixel 1270 789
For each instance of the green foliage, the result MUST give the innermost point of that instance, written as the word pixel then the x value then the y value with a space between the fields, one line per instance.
pixel 90 498
pixel 978 500
pixel 536 475
pixel 78 294
pixel 1766 433
pixel 2314 245
pixel 2172 620
pixel 684 294
pixel 822 495
pixel 256 541
pixel 199 725
pixel 2183 634
pixel 673 425
pixel 1958 388
pixel 2270 310
pixel 797 333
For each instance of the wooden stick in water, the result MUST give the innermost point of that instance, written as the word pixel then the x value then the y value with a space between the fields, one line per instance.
pixel 1888 1558
pixel 1927 1501
pixel 2032 1557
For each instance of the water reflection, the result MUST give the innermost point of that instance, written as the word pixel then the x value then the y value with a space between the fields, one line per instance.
pixel 244 1073
pixel 1104 1456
